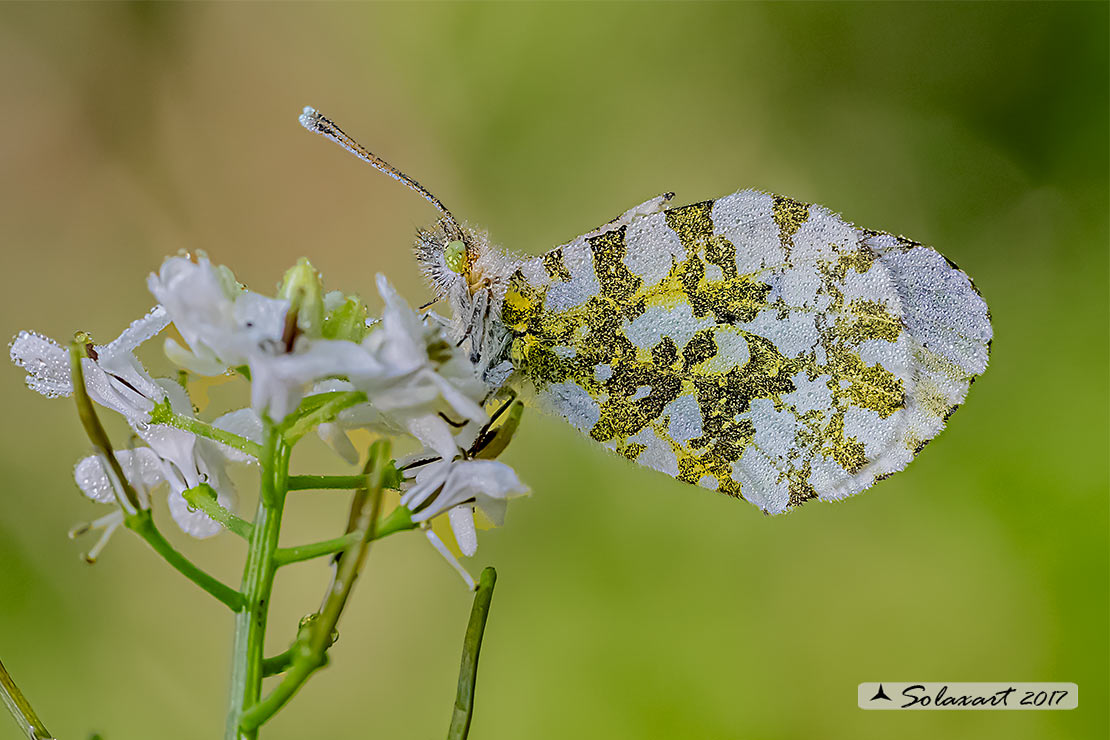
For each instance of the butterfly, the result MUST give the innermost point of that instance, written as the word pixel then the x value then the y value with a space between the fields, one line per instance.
pixel 751 344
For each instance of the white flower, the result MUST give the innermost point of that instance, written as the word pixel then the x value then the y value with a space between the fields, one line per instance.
pixel 224 324
pixel 113 376
pixel 141 465
pixel 176 458
pixel 427 370
pixel 115 379
pixel 187 460
pixel 458 487
pixel 145 470
pixel 279 382
pixel 95 480
pixel 415 381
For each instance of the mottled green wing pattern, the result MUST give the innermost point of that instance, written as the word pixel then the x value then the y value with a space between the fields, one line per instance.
pixel 753 344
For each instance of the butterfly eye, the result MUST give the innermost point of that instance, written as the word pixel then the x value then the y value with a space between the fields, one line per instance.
pixel 454 254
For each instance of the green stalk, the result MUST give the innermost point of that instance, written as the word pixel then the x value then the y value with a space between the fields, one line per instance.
pixel 128 499
pixel 258 581
pixel 326 482
pixel 277 664
pixel 162 414
pixel 203 497
pixel 297 426
pixel 398 520
pixel 472 645
pixel 310 654
pixel 142 524
pixel 20 708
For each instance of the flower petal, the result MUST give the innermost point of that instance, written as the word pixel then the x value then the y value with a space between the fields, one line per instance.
pixel 138 332
pixel 427 481
pixel 195 522
pixel 46 363
pixel 203 362
pixel 141 466
pixel 246 424
pixel 111 393
pixel 462 524
pixel 333 435
pixel 441 548
pixel 216 317
pixel 279 382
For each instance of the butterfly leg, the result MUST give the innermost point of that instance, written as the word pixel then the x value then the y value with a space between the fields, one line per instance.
pixel 491 441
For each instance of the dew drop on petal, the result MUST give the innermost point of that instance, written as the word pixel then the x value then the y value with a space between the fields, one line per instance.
pixel 93 481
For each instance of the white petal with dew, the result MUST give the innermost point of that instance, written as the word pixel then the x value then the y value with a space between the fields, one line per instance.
pixel 434 433
pixel 194 522
pixel 462 524
pixel 140 331
pixel 244 423
pixel 46 363
pixel 141 466
pixel 111 393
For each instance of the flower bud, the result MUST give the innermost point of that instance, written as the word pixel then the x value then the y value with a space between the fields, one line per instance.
pixel 304 290
pixel 346 317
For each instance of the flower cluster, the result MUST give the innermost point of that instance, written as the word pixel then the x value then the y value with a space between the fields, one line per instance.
pixel 314 361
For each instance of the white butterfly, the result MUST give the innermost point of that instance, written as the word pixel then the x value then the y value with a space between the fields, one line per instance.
pixel 750 344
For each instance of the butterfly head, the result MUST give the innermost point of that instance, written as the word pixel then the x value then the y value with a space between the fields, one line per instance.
pixel 457 260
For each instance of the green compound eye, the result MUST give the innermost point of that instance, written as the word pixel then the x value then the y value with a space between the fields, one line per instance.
pixel 454 254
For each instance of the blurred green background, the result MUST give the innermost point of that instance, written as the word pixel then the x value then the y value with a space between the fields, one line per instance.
pixel 629 605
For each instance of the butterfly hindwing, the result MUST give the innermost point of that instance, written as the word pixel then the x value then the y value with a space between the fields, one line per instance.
pixel 752 344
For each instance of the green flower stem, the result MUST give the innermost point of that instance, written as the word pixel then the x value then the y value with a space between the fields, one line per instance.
pixel 310 654
pixel 162 414
pixel 259 713
pixel 203 497
pixel 472 645
pixel 287 555
pixel 326 482
pixel 398 520
pixel 277 664
pixel 142 524
pixel 129 500
pixel 298 426
pixel 258 580
pixel 20 708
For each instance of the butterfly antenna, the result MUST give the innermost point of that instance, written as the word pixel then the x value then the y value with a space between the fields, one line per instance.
pixel 312 120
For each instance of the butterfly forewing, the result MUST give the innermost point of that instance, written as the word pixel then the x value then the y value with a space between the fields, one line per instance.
pixel 754 345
